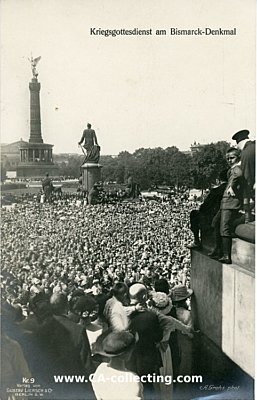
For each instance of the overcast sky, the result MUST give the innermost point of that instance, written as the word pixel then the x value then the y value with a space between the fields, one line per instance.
pixel 136 91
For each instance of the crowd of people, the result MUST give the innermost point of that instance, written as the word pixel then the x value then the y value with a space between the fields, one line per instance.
pixel 104 288
pixel 78 251
pixel 125 240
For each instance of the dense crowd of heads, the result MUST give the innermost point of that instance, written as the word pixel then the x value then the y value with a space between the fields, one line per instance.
pixel 65 246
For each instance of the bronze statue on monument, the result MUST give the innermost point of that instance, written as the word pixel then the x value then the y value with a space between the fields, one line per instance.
pixel 34 62
pixel 90 169
pixel 91 145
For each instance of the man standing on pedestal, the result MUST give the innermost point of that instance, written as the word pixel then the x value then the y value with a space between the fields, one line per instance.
pixel 90 144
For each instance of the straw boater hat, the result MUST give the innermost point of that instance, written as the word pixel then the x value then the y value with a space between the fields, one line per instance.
pixel 161 302
pixel 181 292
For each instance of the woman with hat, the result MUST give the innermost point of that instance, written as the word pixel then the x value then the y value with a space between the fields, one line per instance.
pixel 180 295
pixel 112 380
pixel 162 305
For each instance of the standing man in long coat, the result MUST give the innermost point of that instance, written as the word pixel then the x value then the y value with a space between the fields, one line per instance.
pixel 247 148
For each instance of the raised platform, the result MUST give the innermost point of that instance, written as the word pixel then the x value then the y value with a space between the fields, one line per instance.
pixel 223 303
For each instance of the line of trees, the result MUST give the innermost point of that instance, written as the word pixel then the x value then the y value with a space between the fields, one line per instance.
pixel 160 166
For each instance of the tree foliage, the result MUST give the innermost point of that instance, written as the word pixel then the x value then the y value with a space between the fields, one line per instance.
pixel 157 166
pixel 207 163
pixel 149 167
pixel 70 166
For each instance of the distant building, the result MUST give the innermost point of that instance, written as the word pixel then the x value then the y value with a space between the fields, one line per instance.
pixel 195 147
pixel 10 155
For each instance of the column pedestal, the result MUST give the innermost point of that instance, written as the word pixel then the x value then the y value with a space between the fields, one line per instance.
pixel 91 174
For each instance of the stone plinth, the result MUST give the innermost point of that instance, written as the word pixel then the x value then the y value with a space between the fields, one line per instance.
pixel 36 159
pixel 223 303
pixel 36 170
pixel 91 174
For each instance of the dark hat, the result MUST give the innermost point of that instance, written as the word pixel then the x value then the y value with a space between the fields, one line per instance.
pixel 85 303
pixel 241 135
pixel 181 292
pixel 114 344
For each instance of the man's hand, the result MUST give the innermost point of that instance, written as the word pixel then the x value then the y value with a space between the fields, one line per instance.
pixel 231 192
pixel 139 307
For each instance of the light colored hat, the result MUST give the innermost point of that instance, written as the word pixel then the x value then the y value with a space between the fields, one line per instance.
pixel 181 292
pixel 161 302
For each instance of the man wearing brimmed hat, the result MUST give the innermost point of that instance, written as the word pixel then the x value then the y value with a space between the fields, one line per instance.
pixel 247 148
pixel 113 380
pixel 181 293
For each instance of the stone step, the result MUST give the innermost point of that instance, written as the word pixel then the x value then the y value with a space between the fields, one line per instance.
pixel 243 254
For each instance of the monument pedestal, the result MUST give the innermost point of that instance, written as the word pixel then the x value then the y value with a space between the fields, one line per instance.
pixel 223 307
pixel 91 174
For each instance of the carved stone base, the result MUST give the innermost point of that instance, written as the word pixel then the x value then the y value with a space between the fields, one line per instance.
pixel 91 174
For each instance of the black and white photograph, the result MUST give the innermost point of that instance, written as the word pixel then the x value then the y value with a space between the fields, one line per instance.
pixel 128 199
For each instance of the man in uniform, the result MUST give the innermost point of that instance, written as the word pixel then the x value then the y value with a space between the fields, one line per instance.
pixel 247 148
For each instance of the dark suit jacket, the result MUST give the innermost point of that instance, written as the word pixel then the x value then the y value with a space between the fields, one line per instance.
pixel 76 348
pixel 145 358
pixel 211 204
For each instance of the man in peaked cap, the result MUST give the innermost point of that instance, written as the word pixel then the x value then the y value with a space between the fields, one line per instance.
pixel 241 135
pixel 247 148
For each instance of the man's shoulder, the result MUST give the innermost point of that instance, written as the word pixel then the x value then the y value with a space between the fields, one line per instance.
pixel 144 315
pixel 101 368
pixel 69 324
pixel 216 191
pixel 249 148
pixel 46 180
pixel 236 170
pixel 87 131
pixel 250 143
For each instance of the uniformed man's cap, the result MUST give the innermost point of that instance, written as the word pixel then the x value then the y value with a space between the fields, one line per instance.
pixel 241 135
